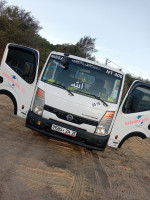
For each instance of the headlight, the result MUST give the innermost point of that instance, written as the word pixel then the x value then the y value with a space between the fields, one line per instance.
pixel 104 124
pixel 38 102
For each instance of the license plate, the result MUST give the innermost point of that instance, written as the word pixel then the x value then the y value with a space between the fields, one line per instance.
pixel 63 130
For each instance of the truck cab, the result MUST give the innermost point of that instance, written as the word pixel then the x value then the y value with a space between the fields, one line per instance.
pixel 74 99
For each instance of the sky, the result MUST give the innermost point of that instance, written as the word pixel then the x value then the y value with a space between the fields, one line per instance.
pixel 121 28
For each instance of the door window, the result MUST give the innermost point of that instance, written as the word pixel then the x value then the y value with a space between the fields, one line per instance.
pixel 22 62
pixel 138 100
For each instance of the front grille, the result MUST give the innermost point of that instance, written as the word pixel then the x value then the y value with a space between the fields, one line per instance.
pixel 76 119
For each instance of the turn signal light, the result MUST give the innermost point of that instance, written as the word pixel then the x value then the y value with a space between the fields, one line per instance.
pixel 40 93
pixel 109 115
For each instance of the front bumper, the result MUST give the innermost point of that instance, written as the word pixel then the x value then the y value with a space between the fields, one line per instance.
pixel 83 138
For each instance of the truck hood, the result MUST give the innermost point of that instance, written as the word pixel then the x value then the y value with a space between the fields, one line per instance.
pixel 78 104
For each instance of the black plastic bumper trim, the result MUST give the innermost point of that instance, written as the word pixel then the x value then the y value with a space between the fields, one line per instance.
pixel 83 137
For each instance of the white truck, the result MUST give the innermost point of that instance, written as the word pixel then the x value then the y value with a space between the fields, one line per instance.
pixel 74 99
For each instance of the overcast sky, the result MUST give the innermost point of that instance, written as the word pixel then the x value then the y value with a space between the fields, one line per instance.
pixel 121 27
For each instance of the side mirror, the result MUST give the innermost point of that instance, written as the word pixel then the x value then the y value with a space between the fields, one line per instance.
pixel 28 73
pixel 134 104
pixel 28 67
pixel 131 104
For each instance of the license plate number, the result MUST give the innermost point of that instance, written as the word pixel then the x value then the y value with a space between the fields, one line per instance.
pixel 63 130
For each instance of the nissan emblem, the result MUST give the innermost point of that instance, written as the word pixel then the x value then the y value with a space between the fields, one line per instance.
pixel 69 117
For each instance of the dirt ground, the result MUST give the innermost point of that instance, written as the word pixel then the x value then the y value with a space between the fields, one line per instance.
pixel 37 167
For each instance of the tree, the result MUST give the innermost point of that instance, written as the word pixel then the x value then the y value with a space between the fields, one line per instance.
pixel 129 79
pixel 20 27
pixel 17 26
pixel 2 7
pixel 86 46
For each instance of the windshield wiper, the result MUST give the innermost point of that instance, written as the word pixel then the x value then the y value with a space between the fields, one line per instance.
pixel 96 97
pixel 61 86
pixel 92 95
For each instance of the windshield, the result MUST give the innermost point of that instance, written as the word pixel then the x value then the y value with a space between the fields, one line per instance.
pixel 84 78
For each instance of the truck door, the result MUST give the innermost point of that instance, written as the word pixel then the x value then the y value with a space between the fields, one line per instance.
pixel 18 76
pixel 133 118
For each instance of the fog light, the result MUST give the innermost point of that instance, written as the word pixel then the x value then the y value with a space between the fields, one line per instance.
pixel 39 123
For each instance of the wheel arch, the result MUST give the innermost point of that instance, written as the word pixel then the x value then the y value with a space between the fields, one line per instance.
pixel 11 96
pixel 133 134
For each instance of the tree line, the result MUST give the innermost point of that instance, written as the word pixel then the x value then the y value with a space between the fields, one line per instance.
pixel 20 27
